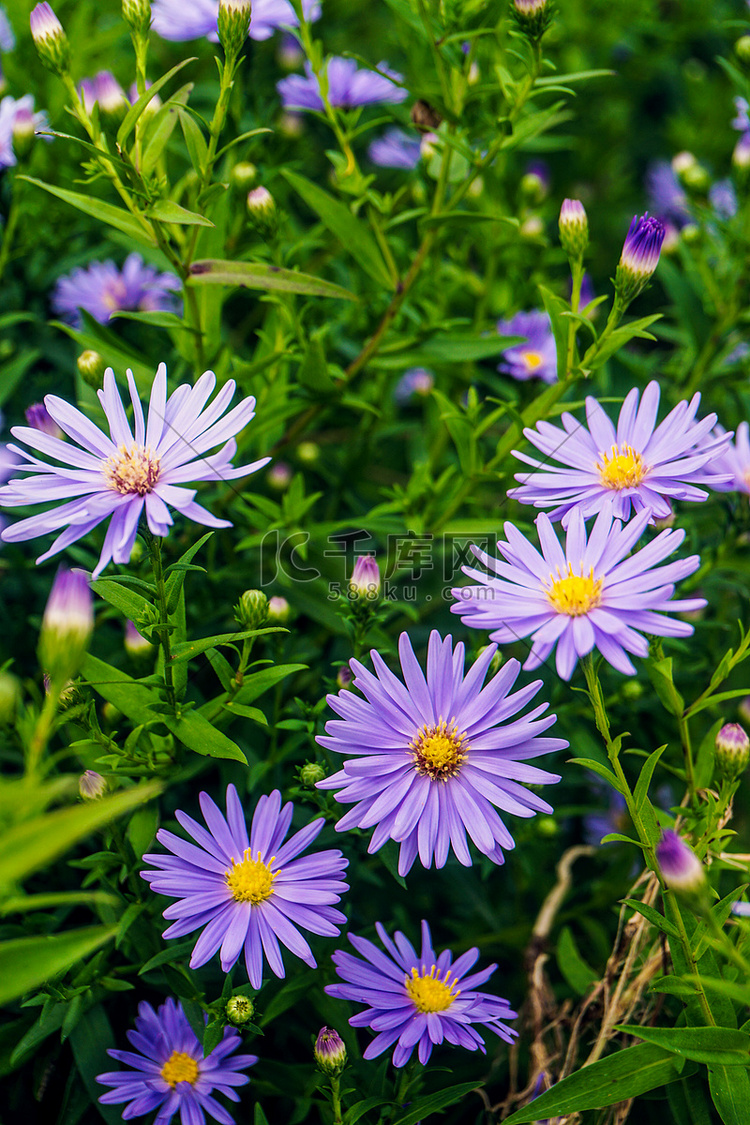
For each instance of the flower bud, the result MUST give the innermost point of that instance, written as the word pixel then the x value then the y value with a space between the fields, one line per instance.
pixel 137 15
pixel 251 612
pixel 291 124
pixel 67 625
pixel 344 676
pixel 49 38
pixel 742 49
pixel 113 105
pixel 696 179
pixel 10 697
pixel 239 1009
pixel 532 228
pixel 23 133
pixel 91 785
pixel 233 24
pixel 535 182
pixel 242 177
pixel 533 16
pixel 682 162
pixel 639 258
pixel 574 228
pixel 741 154
pixel 279 476
pixel 680 867
pixel 308 452
pixel 136 645
pixel 365 580
pixel 310 773
pixel 289 55
pixel 330 1052
pixel 39 418
pixel 261 211
pixel 278 611
pixel 415 383
pixel 91 367
pixel 732 751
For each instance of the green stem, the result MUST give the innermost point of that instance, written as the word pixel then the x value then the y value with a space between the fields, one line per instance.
pixel 575 301
pixel 10 227
pixel 684 725
pixel 674 914
pixel 163 628
pixel 336 1099
pixel 43 728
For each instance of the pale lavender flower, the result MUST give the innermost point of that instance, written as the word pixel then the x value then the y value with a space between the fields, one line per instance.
pixel 102 289
pixel 7 38
pixel 39 418
pixel 590 595
pixel 742 121
pixel 742 909
pixel 418 999
pixel 537 357
pixel 104 89
pixel 347 86
pixel 723 199
pixel 666 196
pixel 426 780
pixel 10 110
pixel 680 867
pixel 195 19
pixel 122 475
pixel 168 1070
pixel 633 467
pixel 248 892
pixel 416 382
pixel 733 460
pixel 396 149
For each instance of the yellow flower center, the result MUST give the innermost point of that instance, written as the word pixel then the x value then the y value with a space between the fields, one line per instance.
pixel 532 360
pixel 180 1067
pixel 622 468
pixel 251 880
pixel 429 993
pixel 438 751
pixel 132 471
pixel 575 594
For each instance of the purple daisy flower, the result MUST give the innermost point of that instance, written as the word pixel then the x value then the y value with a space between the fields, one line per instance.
pixel 429 761
pixel 588 596
pixel 169 1071
pixel 418 1000
pixel 537 357
pixel 396 149
pixel 179 20
pixel 10 110
pixel 666 197
pixel 248 892
pixel 639 465
pixel 122 475
pixel 347 86
pixel 102 289
pixel 734 460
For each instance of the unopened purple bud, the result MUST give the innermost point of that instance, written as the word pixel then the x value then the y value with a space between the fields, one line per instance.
pixel 330 1052
pixel 289 55
pixel 365 580
pixel 574 228
pixel 639 258
pixel 136 645
pixel 87 94
pixel 39 418
pixel 679 865
pixel 732 751
pixel 91 785
pixel 344 676
pixel 50 39
pixel 67 625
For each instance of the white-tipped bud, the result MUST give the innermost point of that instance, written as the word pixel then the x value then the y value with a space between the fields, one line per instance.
pixel 279 610
pixel 732 751
pixel 233 24
pixel 574 228
pixel 50 39
pixel 330 1052
pixel 67 625
pixel 364 583
pixel 136 645
pixel 261 211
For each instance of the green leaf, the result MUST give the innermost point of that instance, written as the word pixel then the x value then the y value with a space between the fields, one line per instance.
pixel 730 1091
pixel 259 1117
pixel 25 963
pixel 90 1039
pixel 260 275
pixel 136 110
pixel 176 572
pixel 157 318
pixel 630 1072
pixel 621 336
pixel 179 951
pixel 189 649
pixel 34 843
pixel 313 372
pixel 420 1108
pixel 555 307
pixel 194 139
pixel 159 129
pixel 707 1045
pixel 199 735
pixel 602 770
pixel 653 916
pixel 350 231
pixel 12 372
pixel 464 218
pixel 129 603
pixel 259 682
pixel 166 211
pixel 579 975
pixel 105 212
pixel 660 674
pixel 647 772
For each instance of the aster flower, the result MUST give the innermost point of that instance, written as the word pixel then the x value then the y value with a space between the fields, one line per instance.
pixel 179 20
pixel 429 761
pixel 102 289
pixel 10 110
pixel 588 596
pixel 417 382
pixel 418 1000
pixel 123 475
pixel 665 195
pixel 537 357
pixel 169 1071
pixel 249 893
pixel 347 86
pixel 636 466
pixel 396 149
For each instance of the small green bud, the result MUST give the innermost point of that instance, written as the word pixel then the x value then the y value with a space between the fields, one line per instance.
pixel 742 49
pixel 233 24
pixel 732 751
pixel 532 228
pixel 50 39
pixel 91 367
pixel 261 212
pixel 137 15
pixel 308 452
pixel 91 786
pixel 533 188
pixel 696 179
pixel 532 16
pixel 239 1009
pixel 310 773
pixel 251 612
pixel 10 697
pixel 242 177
